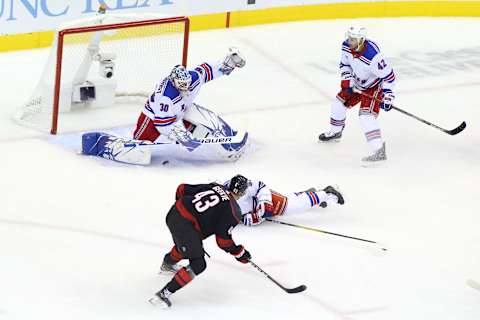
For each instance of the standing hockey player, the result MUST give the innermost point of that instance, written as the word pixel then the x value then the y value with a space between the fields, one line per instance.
pixel 170 118
pixel 199 212
pixel 259 202
pixel 363 69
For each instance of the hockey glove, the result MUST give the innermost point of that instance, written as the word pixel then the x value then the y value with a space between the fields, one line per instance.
pixel 243 255
pixel 233 60
pixel 387 101
pixel 252 219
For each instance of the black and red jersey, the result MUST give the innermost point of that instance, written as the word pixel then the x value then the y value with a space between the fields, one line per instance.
pixel 212 211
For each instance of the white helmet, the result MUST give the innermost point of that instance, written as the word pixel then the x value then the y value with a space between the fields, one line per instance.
pixel 356 37
pixel 181 78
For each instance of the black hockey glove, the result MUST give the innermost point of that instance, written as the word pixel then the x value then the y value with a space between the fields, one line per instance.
pixel 243 255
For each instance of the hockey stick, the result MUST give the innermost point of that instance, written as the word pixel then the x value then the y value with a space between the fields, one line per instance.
pixel 287 290
pixel 452 132
pixel 323 231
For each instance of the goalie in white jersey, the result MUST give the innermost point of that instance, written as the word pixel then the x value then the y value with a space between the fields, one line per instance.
pixel 259 202
pixel 164 111
pixel 170 118
pixel 368 79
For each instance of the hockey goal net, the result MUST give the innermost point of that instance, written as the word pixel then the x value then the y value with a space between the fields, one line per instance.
pixel 96 62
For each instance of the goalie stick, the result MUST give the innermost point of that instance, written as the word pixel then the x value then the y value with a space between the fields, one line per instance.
pixel 298 289
pixel 238 138
pixel 451 132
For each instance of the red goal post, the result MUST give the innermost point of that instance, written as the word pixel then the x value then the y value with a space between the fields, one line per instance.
pixel 131 57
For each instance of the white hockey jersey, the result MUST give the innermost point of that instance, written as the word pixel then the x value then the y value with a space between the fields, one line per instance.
pixel 367 68
pixel 167 105
pixel 256 192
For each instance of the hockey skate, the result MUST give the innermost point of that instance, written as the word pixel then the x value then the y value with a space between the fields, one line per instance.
pixel 379 156
pixel 334 192
pixel 161 299
pixel 168 269
pixel 330 136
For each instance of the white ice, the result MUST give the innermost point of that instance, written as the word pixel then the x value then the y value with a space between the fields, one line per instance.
pixel 81 238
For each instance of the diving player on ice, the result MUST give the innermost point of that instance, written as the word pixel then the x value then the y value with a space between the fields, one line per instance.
pixel 363 69
pixel 170 117
pixel 259 201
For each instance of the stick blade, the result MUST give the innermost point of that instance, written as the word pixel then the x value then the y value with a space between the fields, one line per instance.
pixel 458 129
pixel 297 289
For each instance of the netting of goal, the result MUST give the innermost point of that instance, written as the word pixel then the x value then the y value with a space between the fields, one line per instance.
pixel 100 61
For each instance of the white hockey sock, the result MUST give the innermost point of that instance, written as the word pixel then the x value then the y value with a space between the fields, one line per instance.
pixel 301 201
pixel 371 131
pixel 338 113
pixel 316 197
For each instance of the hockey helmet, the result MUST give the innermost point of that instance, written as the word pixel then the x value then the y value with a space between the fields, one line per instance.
pixel 180 78
pixel 238 184
pixel 356 37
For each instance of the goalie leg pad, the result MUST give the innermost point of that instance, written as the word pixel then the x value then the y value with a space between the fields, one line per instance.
pixel 235 151
pixel 90 143
pixel 211 126
pixel 231 151
pixel 235 147
pixel 114 148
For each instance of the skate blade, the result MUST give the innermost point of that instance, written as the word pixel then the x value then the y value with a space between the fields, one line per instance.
pixel 158 303
pixel 329 141
pixel 167 273
pixel 373 164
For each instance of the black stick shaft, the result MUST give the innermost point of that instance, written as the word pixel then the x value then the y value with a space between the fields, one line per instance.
pixel 288 290
pixel 321 231
pixel 418 118
pixel 450 132
pixel 266 274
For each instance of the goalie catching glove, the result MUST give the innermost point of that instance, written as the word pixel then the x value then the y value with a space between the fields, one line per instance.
pixel 233 60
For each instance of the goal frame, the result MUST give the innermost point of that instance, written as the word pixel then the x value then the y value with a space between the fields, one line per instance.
pixel 68 31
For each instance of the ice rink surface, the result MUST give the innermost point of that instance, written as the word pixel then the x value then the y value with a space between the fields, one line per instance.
pixel 82 238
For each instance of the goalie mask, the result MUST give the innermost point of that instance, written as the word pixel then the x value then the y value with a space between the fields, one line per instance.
pixel 180 78
pixel 238 185
pixel 356 38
